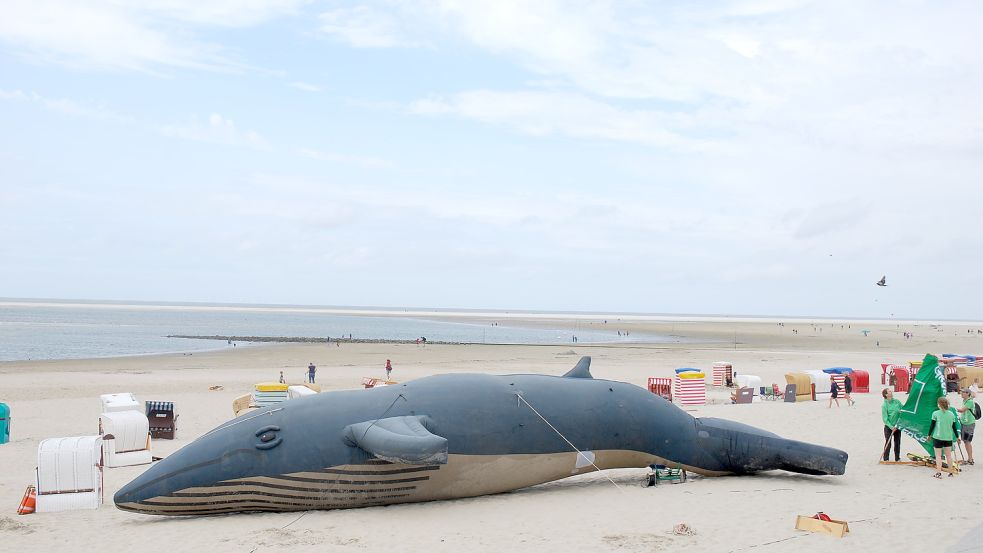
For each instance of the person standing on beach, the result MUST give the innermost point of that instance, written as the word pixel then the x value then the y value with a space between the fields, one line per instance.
pixel 967 417
pixel 834 392
pixel 282 381
pixel 389 368
pixel 311 370
pixel 890 410
pixel 847 389
pixel 943 432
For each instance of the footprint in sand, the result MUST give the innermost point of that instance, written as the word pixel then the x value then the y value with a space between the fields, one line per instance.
pixel 638 542
pixel 281 537
pixel 8 524
pixel 286 537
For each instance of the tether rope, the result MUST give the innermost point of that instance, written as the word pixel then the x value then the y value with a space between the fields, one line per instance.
pixel 233 423
pixel 384 413
pixel 560 434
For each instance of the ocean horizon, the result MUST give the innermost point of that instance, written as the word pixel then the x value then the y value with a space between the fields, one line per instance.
pixel 475 312
pixel 32 329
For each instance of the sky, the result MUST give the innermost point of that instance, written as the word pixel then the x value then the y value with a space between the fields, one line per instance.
pixel 758 157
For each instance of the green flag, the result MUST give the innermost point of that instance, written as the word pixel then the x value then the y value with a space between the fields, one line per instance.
pixel 923 396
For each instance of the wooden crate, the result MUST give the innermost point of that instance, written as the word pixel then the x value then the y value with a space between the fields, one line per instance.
pixel 835 528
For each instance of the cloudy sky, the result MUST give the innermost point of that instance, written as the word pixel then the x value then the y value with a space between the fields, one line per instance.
pixel 740 157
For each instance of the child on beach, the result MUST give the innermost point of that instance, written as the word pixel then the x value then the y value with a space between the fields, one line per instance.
pixel 890 410
pixel 389 368
pixel 834 392
pixel 967 417
pixel 311 371
pixel 943 432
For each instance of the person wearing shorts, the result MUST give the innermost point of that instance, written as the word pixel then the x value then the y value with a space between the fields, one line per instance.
pixel 847 390
pixel 967 417
pixel 890 410
pixel 834 393
pixel 943 432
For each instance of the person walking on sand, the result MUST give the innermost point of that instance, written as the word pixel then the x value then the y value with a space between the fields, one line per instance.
pixel 890 410
pixel 943 432
pixel 847 389
pixel 967 418
pixel 389 368
pixel 282 381
pixel 311 371
pixel 834 392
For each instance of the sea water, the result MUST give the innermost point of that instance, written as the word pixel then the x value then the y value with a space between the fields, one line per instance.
pixel 72 330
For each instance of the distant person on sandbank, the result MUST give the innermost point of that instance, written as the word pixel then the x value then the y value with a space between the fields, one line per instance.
pixel 389 368
pixel 282 381
pixel 311 371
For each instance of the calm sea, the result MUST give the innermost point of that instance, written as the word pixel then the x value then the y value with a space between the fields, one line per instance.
pixel 70 331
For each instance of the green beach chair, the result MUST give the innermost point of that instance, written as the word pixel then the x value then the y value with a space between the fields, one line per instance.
pixel 662 473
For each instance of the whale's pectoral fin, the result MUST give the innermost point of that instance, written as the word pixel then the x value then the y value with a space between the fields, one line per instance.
pixel 581 370
pixel 399 439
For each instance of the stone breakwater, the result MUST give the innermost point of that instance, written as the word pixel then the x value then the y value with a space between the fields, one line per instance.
pixel 304 339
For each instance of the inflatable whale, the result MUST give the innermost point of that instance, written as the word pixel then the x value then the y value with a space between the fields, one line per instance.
pixel 450 436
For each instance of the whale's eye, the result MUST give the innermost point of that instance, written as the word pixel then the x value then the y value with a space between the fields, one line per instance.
pixel 268 438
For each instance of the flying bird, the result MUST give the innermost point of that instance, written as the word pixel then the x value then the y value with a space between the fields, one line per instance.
pixel 882 281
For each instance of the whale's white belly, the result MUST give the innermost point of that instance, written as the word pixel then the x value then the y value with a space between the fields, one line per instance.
pixel 382 483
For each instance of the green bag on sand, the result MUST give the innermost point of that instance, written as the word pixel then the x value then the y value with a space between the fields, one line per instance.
pixel 915 417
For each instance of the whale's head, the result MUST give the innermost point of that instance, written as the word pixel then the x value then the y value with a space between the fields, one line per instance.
pixel 210 474
pixel 736 448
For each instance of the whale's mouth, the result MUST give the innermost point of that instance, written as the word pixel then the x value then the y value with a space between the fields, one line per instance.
pixel 743 449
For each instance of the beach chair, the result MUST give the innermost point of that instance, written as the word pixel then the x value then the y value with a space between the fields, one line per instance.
pixel 790 394
pixel 777 393
pixel 745 395
pixel 163 419
pixel 662 473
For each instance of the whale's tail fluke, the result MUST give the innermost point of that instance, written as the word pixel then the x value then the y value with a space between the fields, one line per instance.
pixel 737 448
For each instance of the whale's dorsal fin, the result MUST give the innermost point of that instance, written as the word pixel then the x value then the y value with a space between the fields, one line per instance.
pixel 399 439
pixel 582 370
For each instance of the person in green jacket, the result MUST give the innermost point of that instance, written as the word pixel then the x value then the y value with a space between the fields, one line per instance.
pixel 967 417
pixel 944 431
pixel 890 410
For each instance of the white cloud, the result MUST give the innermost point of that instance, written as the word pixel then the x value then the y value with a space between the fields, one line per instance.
pixel 759 72
pixel 306 87
pixel 362 161
pixel 216 129
pixel 226 13
pixel 12 95
pixel 364 27
pixel 547 113
pixel 117 35
pixel 744 45
pixel 67 106
pixel 549 34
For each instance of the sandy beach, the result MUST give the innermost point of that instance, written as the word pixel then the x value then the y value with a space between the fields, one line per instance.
pixel 887 506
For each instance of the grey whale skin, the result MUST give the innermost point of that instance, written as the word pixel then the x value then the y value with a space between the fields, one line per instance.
pixel 449 436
